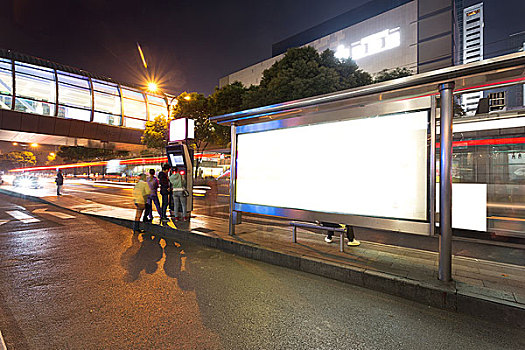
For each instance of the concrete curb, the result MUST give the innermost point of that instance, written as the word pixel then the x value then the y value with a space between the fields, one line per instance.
pixel 432 293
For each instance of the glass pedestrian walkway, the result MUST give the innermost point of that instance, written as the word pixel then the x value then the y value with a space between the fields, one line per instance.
pixel 36 86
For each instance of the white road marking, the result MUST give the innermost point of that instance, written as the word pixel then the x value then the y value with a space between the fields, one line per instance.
pixel 54 213
pixel 22 216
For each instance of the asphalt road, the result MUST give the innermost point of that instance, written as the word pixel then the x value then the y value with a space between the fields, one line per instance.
pixel 75 282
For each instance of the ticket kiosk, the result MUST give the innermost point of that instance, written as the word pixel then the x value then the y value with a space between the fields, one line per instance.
pixel 180 156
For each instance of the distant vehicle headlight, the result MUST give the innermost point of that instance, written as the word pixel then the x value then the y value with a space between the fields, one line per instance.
pixel 26 183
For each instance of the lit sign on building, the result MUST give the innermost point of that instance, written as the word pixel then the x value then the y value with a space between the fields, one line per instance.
pixel 370 45
pixel 342 52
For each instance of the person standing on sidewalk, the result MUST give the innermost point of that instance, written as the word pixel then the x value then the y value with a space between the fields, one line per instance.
pixel 141 192
pixel 349 230
pixel 164 183
pixel 178 182
pixel 60 181
pixel 153 183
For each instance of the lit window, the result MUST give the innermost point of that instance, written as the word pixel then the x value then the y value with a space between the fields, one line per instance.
pixel 375 43
pixel 105 118
pixel 74 96
pixel 157 106
pixel 35 89
pixel 6 84
pixel 107 103
pixel 134 107
pixel 342 52
pixel 496 101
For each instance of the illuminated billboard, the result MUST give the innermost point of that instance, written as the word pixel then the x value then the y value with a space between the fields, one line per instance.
pixel 181 129
pixel 370 166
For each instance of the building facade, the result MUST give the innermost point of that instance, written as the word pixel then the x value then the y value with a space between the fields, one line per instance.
pixel 381 34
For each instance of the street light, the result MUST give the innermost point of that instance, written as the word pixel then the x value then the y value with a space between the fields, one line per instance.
pixel 153 87
pixel 34 145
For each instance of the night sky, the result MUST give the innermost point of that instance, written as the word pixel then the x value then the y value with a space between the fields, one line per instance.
pixel 188 45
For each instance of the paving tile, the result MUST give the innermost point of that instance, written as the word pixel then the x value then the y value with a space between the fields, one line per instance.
pixel 488 292
pixel 466 272
pixel 422 275
pixel 502 274
pixel 468 280
pixel 520 297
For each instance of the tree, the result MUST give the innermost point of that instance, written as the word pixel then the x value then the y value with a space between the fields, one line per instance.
pixel 80 153
pixel 387 74
pixel 17 159
pixel 154 136
pixel 51 157
pixel 303 72
pixel 227 99
pixel 197 107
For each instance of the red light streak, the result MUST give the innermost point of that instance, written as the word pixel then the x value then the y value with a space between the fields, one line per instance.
pixel 491 84
pixel 133 161
pixel 487 142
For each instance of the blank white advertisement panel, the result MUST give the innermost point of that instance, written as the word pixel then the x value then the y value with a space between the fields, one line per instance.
pixel 371 166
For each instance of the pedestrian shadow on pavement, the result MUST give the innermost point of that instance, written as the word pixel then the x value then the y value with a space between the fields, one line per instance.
pixel 175 264
pixel 141 256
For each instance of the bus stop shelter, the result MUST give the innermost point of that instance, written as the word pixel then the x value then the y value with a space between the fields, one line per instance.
pixel 364 157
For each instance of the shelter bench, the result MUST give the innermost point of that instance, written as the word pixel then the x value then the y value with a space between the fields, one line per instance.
pixel 296 224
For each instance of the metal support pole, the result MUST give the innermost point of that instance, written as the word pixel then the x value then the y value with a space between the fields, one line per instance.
pixel 445 183
pixel 56 93
pixel 92 88
pixel 294 234
pixel 121 105
pixel 342 241
pixel 13 87
pixel 233 176
pixel 432 177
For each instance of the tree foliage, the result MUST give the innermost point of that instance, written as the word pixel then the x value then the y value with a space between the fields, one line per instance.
pixel 17 159
pixel 80 153
pixel 154 136
pixel 200 108
pixel 389 74
pixel 303 72
pixel 195 106
pixel 51 157
pixel 227 99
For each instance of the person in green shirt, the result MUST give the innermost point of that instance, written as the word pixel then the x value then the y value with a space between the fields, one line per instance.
pixel 178 183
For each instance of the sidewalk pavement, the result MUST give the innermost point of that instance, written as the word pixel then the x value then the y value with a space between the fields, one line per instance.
pixel 488 289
